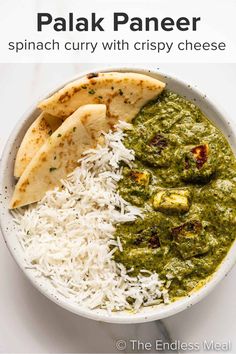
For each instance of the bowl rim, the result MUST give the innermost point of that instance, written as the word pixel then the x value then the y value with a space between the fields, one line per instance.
pixel 156 312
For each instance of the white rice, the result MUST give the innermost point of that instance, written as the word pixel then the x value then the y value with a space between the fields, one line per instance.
pixel 68 237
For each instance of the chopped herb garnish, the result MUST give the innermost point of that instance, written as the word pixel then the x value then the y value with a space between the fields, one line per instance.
pixel 121 92
pixel 27 232
pixel 91 92
pixel 55 157
pixel 74 129
pixel 58 135
pixel 84 87
pixel 51 169
pixel 50 132
pixel 100 97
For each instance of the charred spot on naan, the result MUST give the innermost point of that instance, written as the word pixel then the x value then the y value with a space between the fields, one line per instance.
pixel 133 91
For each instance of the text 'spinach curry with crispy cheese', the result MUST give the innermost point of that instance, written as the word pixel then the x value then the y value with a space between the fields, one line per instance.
pixel 168 184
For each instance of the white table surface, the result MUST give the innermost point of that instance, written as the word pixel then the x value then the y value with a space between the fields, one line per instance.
pixel 30 323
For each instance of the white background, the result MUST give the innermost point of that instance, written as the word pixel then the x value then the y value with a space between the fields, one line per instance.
pixel 30 323
pixel 18 21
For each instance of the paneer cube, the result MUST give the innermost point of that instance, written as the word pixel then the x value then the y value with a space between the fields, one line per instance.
pixel 158 141
pixel 134 186
pixel 191 239
pixel 172 200
pixel 197 163
pixel 140 177
pixel 189 229
pixel 200 154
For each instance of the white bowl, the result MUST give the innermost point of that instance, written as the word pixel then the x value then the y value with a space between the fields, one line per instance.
pixel 8 228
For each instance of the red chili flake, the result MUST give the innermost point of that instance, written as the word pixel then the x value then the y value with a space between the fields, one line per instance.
pixel 138 240
pixel 154 241
pixel 159 141
pixel 193 226
pixel 186 163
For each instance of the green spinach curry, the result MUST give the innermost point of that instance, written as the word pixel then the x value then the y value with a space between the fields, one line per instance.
pixel 184 178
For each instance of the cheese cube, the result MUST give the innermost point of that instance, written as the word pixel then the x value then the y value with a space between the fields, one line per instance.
pixel 172 200
pixel 141 178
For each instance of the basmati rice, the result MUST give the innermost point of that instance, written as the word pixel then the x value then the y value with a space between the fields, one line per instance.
pixel 68 236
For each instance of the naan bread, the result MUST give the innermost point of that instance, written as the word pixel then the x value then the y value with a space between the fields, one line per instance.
pixel 59 155
pixel 34 138
pixel 123 94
